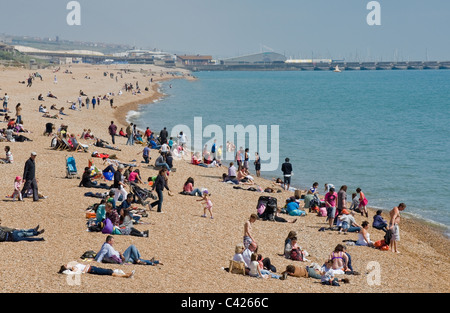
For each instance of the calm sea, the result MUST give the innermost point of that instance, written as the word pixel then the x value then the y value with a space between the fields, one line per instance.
pixel 386 132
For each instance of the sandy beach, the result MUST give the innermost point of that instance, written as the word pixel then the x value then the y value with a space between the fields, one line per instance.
pixel 192 249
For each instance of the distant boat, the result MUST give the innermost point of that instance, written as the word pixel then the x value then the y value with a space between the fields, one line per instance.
pixel 336 69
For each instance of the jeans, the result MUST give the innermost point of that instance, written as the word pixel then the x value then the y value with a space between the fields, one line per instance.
pixel 159 201
pixel 130 140
pixel 24 235
pixel 266 272
pixel 195 192
pixel 132 254
pixel 163 165
pixel 100 271
pixel 113 139
pixel 146 159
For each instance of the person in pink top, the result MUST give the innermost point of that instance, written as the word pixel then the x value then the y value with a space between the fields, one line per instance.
pixel 207 202
pixel 135 177
pixel 330 203
pixel 17 188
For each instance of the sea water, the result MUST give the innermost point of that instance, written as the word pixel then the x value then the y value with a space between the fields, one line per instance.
pixel 386 132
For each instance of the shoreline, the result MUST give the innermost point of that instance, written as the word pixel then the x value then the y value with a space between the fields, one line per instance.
pixel 62 214
pixel 123 111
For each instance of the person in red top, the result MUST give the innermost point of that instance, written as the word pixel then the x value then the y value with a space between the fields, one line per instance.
pixel 362 202
pixel 148 133
pixel 330 203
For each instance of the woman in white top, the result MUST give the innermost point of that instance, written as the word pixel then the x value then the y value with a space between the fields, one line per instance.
pixel 78 268
pixel 364 236
pixel 256 271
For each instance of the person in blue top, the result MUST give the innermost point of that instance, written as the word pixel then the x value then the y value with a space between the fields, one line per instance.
pixel 154 145
pixel 146 155
pixel 379 222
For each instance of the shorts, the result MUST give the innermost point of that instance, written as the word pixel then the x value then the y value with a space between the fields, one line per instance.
pixel 287 180
pixel 331 212
pixel 396 233
pixel 247 241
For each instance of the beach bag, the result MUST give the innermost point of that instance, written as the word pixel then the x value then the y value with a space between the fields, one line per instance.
pixel 296 255
pixel 88 255
pixel 107 227
pixel 388 237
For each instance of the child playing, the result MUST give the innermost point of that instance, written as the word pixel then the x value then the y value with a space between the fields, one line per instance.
pixel 17 188
pixel 207 202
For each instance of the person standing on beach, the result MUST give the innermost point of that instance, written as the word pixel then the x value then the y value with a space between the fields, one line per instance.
pixel 29 177
pixel 393 226
pixel 5 102
pixel 163 135
pixel 129 132
pixel 118 186
pixel 330 203
pixel 257 164
pixel 159 184
pixel 94 102
pixel 248 236
pixel 342 199
pixel 112 131
pixel 286 168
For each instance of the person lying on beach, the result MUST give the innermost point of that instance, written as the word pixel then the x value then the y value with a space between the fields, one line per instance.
pixel 78 268
pixel 302 271
pixel 15 235
pixel 108 254
pixel 104 144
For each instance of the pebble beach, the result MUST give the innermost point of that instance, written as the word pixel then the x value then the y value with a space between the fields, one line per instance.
pixel 194 250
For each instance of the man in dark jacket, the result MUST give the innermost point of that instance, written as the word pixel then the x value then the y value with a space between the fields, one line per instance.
pixel 29 177
pixel 286 168
pixel 12 234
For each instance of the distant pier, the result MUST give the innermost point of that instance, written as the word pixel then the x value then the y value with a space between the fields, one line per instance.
pixel 343 66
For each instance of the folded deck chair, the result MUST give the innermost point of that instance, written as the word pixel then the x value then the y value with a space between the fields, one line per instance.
pixel 71 168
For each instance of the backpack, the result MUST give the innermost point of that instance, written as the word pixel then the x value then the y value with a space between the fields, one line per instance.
pixel 270 204
pixel 88 255
pixel 387 237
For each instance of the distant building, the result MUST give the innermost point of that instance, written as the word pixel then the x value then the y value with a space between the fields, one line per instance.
pixel 194 59
pixel 5 47
pixel 258 58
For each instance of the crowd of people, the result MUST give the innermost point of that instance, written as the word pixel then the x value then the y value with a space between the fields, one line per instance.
pixel 118 213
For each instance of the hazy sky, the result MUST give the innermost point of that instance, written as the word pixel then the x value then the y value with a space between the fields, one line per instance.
pixel 410 29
